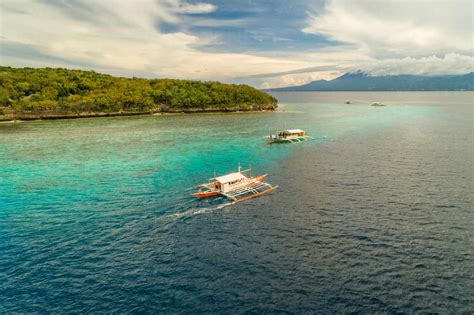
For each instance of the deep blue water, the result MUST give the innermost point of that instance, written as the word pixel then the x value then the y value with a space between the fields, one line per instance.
pixel 375 214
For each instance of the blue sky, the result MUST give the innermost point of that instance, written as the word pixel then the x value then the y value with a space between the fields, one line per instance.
pixel 265 43
pixel 253 26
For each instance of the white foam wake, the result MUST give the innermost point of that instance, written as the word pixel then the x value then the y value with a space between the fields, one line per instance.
pixel 194 211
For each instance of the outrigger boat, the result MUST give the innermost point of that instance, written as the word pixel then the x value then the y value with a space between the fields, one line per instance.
pixel 235 186
pixel 288 136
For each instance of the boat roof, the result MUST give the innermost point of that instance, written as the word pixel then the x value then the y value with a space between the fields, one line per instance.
pixel 293 131
pixel 230 178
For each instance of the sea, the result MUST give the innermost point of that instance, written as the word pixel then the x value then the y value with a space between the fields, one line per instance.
pixel 373 214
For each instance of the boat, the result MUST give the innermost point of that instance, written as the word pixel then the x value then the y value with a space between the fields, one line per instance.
pixel 288 136
pixel 235 186
pixel 378 104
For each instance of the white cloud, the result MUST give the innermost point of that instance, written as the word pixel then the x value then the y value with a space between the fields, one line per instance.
pixel 122 38
pixel 399 37
pixel 196 8
pixel 398 28
pixel 451 63
pixel 298 79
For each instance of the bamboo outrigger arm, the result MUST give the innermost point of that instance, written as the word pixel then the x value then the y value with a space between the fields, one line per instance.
pixel 255 195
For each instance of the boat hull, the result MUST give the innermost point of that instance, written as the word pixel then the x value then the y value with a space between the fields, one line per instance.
pixel 287 140
pixel 205 194
pixel 260 178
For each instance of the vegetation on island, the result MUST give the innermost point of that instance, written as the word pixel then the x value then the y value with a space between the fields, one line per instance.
pixel 39 91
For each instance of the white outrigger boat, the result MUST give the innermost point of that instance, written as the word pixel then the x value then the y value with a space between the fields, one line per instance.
pixel 288 136
pixel 235 186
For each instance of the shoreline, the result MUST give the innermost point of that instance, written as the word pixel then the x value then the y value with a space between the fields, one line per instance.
pixel 183 111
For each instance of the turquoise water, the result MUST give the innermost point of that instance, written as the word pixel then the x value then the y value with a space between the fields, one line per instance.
pixel 373 214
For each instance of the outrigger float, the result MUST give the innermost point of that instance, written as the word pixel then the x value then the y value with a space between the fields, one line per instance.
pixel 235 186
pixel 288 136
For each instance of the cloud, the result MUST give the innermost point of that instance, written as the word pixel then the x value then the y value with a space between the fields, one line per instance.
pixel 451 63
pixel 176 38
pixel 197 8
pixel 397 28
pixel 210 23
pixel 121 38
pixel 296 71
pixel 298 79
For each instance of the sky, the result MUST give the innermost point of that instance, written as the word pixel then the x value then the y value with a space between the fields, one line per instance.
pixel 263 43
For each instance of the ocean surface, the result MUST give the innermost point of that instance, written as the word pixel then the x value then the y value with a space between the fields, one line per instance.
pixel 374 214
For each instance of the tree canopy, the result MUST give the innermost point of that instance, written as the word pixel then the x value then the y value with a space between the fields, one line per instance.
pixel 46 89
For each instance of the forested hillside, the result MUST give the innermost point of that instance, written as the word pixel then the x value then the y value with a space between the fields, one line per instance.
pixel 47 91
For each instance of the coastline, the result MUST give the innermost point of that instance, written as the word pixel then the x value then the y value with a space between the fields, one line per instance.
pixel 20 117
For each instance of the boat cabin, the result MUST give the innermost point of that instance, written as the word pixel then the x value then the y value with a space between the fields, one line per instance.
pixel 224 183
pixel 288 136
pixel 292 132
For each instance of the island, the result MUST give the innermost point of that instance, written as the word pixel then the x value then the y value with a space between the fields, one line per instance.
pixel 57 93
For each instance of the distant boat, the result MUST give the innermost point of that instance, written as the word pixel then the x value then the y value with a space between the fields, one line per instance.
pixel 235 186
pixel 288 136
pixel 378 104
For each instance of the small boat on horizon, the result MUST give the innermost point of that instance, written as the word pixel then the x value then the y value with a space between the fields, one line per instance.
pixel 377 104
pixel 288 136
pixel 235 186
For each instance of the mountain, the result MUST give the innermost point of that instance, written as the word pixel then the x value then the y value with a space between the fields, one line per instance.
pixel 360 81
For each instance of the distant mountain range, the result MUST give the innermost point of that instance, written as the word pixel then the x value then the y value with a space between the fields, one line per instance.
pixel 360 81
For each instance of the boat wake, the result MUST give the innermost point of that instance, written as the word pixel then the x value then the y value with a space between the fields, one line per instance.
pixel 194 211
pixel 290 111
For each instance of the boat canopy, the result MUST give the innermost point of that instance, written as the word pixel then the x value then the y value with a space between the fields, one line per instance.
pixel 232 177
pixel 292 131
